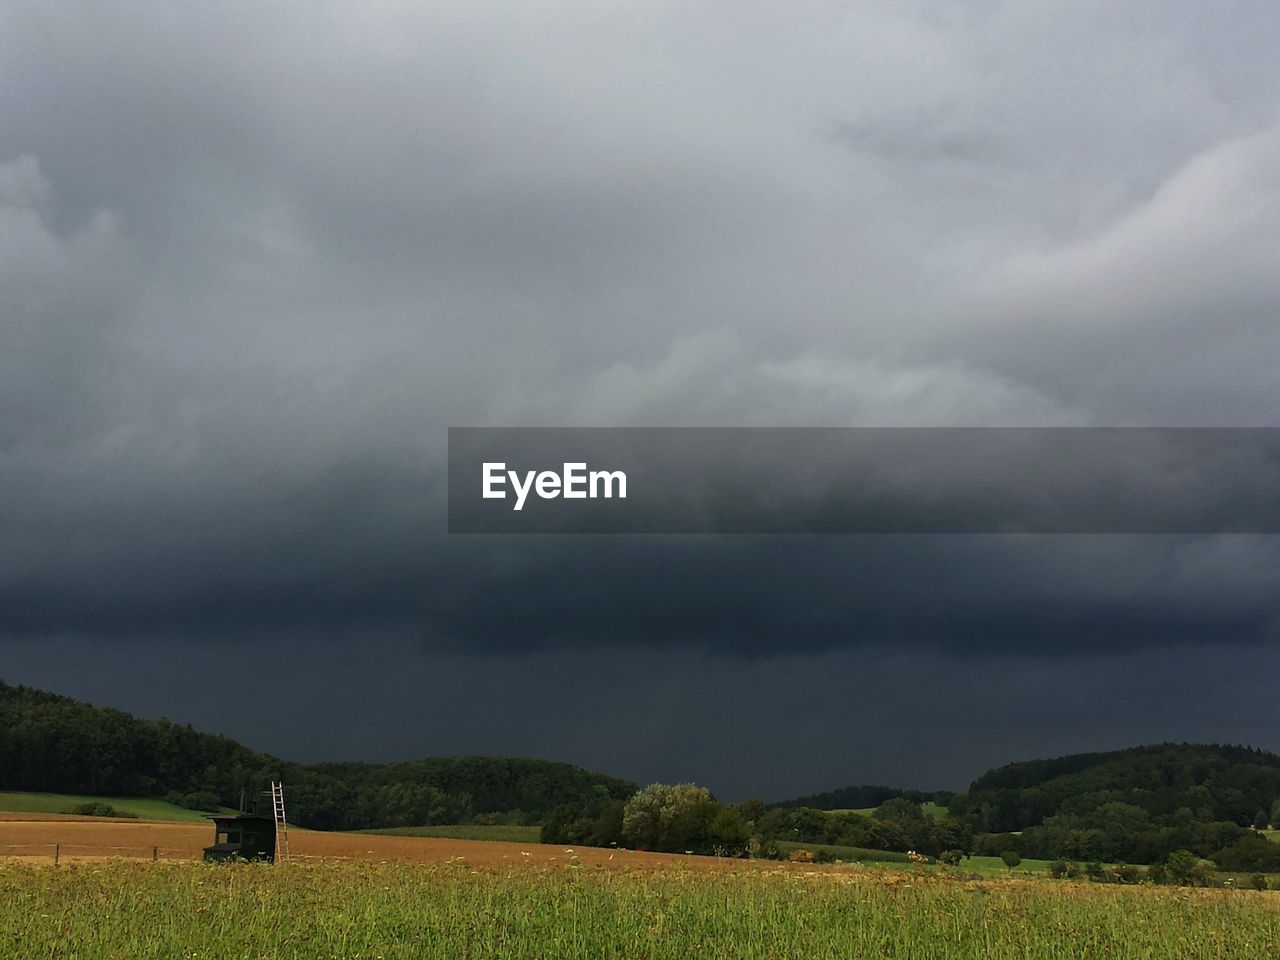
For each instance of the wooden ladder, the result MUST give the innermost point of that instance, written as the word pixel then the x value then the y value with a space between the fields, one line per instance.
pixel 282 825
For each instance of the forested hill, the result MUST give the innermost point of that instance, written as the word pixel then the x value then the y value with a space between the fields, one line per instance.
pixel 1211 782
pixel 62 745
pixel 1139 805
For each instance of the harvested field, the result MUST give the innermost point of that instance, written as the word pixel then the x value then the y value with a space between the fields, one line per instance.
pixel 7 815
pixel 83 838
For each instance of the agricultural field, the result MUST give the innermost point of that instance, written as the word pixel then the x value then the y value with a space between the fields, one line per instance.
pixel 512 833
pixel 361 895
pixel 80 839
pixel 144 808
pixel 987 866
pixel 929 809
pixel 847 854
pixel 157 911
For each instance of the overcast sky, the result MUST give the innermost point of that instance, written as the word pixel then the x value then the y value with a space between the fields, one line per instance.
pixel 256 258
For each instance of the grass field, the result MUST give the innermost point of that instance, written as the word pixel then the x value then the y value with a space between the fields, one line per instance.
pixel 145 808
pixel 146 911
pixel 930 809
pixel 988 866
pixel 848 854
pixel 512 833
pixel 994 865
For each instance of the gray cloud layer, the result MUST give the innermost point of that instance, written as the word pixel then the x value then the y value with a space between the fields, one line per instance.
pixel 254 260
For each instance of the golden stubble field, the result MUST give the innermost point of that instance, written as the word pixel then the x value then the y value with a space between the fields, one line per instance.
pixel 33 835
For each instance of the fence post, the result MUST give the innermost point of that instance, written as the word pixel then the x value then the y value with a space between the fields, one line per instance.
pixel 57 849
pixel 155 854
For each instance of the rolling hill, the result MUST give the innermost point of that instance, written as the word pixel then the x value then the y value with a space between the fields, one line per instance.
pixel 1213 782
pixel 56 744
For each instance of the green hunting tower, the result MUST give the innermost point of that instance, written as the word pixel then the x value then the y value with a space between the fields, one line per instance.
pixel 242 836
pixel 252 836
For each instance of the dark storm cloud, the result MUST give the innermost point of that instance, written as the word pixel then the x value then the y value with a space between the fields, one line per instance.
pixel 255 259
pixel 748 597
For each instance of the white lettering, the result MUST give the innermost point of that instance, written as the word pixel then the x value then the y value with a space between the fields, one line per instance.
pixel 494 476
pixel 610 477
pixel 574 474
pixel 574 483
pixel 548 485
pixel 521 491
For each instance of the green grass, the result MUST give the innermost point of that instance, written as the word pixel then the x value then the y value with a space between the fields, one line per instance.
pixel 994 865
pixel 987 866
pixel 934 810
pixel 145 911
pixel 930 809
pixel 847 854
pixel 513 833
pixel 144 807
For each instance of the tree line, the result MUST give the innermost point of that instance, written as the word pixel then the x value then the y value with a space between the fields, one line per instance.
pixel 1135 806
pixel 1132 806
pixel 686 818
pixel 1138 806
pixel 57 744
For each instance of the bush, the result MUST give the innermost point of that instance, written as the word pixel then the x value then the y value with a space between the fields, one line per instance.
pixel 1180 866
pixel 1259 881
pixel 728 833
pixel 97 808
pixel 1250 852
pixel 1205 874
pixel 1126 874
pixel 1063 869
pixel 951 858
pixel 1011 858
pixel 1186 869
